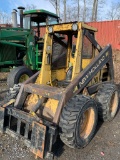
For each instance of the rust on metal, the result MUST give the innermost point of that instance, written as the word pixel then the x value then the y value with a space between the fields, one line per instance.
pixel 32 78
pixel 19 101
pixel 44 90
pixel 19 114
pixel 38 139
pixel 59 108
pixel 10 102
pixel 2 111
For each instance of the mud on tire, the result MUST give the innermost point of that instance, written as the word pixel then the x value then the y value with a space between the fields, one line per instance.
pixel 78 121
pixel 108 100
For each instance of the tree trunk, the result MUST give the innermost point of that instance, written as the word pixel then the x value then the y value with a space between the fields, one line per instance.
pixel 56 7
pixel 84 11
pixel 78 10
pixel 64 10
pixel 94 10
pixel 58 11
pixel 55 4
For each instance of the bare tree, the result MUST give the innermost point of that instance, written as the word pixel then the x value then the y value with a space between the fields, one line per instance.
pixel 114 12
pixel 30 7
pixel 64 10
pixel 84 11
pixel 5 18
pixel 76 5
pixel 71 13
pixel 78 9
pixel 94 10
pixel 83 7
pixel 56 5
pixel 97 9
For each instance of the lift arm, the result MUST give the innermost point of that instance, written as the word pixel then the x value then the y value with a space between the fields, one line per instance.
pixel 104 57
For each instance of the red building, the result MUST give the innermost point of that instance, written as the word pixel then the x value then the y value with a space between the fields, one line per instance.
pixel 108 33
pixel 5 25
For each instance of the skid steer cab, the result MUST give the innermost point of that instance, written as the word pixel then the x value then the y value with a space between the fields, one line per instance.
pixel 74 87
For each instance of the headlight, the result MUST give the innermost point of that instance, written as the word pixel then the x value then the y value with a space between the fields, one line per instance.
pixel 50 29
pixel 74 27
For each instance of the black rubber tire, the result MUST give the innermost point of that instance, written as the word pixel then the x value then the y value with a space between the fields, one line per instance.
pixel 106 96
pixel 16 73
pixel 71 117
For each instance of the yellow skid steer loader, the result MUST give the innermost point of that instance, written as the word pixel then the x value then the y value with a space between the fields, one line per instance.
pixel 74 87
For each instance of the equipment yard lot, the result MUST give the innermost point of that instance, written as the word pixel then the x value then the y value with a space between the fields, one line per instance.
pixel 104 146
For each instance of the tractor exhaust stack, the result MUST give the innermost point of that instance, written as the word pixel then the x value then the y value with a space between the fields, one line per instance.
pixel 21 16
pixel 14 18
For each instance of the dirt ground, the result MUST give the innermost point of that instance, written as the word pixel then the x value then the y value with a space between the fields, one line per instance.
pixel 104 146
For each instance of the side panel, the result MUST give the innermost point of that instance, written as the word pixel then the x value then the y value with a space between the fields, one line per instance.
pixel 7 53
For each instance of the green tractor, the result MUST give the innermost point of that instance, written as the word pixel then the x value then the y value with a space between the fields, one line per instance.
pixel 21 47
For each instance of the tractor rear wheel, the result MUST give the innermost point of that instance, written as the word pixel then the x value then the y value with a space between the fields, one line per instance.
pixel 18 75
pixel 108 100
pixel 78 121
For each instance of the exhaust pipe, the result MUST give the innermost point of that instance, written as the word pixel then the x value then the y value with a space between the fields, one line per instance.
pixel 21 16
pixel 14 18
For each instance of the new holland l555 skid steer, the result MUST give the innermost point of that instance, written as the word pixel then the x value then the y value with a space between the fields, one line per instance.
pixel 74 87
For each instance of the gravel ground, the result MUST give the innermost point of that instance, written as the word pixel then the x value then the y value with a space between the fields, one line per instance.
pixel 104 146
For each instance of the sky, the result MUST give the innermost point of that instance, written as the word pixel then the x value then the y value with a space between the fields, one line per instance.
pixel 8 5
